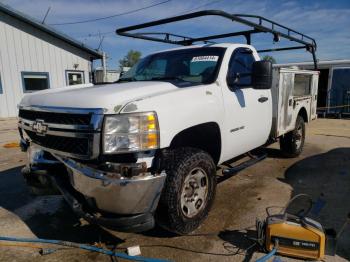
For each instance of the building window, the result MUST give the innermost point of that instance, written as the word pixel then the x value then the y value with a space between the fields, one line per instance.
pixel 35 81
pixel 74 77
pixel 1 91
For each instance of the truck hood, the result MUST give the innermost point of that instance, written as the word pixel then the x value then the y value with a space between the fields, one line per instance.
pixel 109 96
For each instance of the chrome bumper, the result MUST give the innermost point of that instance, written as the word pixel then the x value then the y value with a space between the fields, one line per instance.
pixel 114 193
pixel 36 157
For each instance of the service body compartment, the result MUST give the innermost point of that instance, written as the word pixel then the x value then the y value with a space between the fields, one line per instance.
pixel 293 90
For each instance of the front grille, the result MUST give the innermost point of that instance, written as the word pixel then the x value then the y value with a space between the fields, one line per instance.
pixel 56 118
pixel 67 131
pixel 74 145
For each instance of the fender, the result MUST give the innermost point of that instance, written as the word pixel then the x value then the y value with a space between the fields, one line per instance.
pixel 182 109
pixel 303 114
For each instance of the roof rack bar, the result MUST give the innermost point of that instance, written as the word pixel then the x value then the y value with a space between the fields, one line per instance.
pixel 307 42
pixel 168 35
pixel 200 39
pixel 276 24
pixel 281 49
pixel 238 18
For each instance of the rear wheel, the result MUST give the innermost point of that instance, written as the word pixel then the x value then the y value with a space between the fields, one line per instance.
pixel 292 143
pixel 189 190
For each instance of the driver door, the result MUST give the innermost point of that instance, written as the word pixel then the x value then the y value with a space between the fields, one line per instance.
pixel 248 115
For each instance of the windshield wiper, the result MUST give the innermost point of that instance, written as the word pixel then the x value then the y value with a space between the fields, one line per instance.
pixel 127 79
pixel 168 78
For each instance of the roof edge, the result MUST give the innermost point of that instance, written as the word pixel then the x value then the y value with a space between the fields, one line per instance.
pixel 49 30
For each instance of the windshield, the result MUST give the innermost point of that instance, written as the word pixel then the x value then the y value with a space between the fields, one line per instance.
pixel 184 66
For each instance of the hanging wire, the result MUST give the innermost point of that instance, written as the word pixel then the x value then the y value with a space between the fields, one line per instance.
pixel 111 16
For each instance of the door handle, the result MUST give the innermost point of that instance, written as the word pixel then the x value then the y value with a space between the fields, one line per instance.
pixel 263 99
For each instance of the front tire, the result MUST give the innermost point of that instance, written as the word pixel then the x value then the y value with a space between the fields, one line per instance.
pixel 189 190
pixel 292 143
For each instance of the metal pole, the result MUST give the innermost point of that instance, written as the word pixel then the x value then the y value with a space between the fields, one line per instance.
pixel 314 57
pixel 104 67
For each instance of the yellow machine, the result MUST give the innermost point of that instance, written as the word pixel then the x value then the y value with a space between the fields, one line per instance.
pixel 303 238
pixel 293 235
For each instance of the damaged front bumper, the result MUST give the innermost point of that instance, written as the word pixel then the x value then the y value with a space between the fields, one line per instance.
pixel 36 170
pixel 117 196
pixel 111 192
pixel 120 203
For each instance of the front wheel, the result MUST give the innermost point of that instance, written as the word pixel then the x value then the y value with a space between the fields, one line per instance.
pixel 189 190
pixel 292 143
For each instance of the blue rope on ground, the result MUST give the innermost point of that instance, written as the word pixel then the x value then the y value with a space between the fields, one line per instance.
pixel 268 256
pixel 81 246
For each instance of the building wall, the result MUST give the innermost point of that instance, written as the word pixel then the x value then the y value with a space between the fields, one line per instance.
pixel 111 76
pixel 25 48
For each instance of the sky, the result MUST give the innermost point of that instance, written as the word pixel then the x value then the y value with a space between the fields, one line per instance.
pixel 325 20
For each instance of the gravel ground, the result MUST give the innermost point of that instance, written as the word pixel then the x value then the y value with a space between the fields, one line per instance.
pixel 323 171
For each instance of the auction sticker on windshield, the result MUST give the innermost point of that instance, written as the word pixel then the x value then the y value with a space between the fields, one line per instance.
pixel 212 58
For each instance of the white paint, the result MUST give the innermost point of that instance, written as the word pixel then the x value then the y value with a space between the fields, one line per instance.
pixel 24 48
pixel 134 251
pixel 287 105
pixel 180 108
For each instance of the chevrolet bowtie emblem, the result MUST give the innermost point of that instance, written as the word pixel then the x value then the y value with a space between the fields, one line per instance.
pixel 40 127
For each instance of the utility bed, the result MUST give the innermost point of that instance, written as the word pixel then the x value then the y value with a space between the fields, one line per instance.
pixel 292 89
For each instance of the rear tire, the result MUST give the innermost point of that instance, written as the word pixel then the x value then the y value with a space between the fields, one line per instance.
pixel 189 190
pixel 292 143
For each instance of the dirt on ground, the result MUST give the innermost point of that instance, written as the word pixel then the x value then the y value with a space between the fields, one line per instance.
pixel 322 171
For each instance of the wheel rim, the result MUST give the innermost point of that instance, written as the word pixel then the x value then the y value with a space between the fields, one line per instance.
pixel 299 137
pixel 194 192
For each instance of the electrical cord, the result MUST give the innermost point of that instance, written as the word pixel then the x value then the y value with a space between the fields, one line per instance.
pixel 80 246
pixel 260 233
pixel 233 250
pixel 267 256
pixel 195 251
pixel 270 254
pixel 41 249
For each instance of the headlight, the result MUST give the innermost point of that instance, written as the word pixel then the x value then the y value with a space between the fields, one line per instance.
pixel 130 132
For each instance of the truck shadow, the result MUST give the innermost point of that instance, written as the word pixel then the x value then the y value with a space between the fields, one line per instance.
pixel 326 178
pixel 46 216
pixel 273 153
pixel 242 241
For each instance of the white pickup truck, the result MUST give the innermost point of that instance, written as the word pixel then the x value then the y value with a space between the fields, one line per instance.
pixel 146 149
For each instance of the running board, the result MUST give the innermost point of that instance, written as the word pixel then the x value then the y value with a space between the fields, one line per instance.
pixel 233 170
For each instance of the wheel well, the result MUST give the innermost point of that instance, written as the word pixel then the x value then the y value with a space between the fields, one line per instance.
pixel 204 136
pixel 303 114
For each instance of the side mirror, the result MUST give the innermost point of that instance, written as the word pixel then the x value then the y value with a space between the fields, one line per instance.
pixel 262 75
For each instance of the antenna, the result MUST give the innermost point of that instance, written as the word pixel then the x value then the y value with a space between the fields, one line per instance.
pixel 47 12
